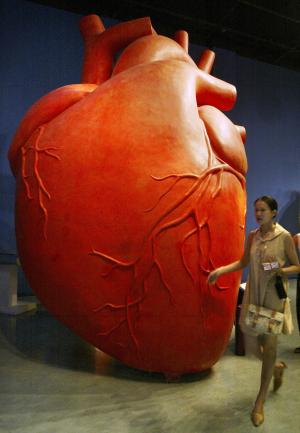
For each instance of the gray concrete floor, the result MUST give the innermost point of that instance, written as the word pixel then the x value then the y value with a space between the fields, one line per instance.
pixel 53 382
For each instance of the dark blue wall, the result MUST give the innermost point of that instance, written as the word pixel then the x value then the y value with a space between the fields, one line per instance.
pixel 41 49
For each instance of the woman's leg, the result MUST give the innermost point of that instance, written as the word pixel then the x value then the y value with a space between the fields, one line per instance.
pixel 253 346
pixel 269 344
pixel 269 353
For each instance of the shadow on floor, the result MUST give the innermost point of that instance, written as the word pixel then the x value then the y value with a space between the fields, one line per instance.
pixel 40 337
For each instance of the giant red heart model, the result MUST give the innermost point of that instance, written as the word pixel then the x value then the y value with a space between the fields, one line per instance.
pixel 130 189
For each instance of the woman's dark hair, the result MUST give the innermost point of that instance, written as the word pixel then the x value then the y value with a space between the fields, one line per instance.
pixel 270 201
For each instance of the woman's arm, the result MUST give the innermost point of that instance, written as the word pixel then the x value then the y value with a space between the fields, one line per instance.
pixel 291 253
pixel 234 266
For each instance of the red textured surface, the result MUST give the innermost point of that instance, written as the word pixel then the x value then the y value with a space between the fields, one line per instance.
pixel 130 189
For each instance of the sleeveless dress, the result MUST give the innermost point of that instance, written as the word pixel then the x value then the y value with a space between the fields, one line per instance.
pixel 260 287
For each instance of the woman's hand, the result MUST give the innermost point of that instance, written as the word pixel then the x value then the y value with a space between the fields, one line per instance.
pixel 213 276
pixel 232 267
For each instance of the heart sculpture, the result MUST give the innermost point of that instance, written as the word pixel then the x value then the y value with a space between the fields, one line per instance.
pixel 130 189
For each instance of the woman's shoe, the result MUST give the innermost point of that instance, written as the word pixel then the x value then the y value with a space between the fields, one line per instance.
pixel 257 418
pixel 297 350
pixel 278 375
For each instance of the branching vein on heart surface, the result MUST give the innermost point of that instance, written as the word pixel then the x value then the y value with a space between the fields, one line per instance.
pixel 148 260
pixel 32 146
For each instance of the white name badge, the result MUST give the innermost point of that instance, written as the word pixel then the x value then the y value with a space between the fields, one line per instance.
pixel 268 266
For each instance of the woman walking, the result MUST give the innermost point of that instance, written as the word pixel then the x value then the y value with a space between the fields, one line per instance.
pixel 269 251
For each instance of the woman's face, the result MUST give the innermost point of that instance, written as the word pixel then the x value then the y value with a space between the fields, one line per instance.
pixel 263 213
